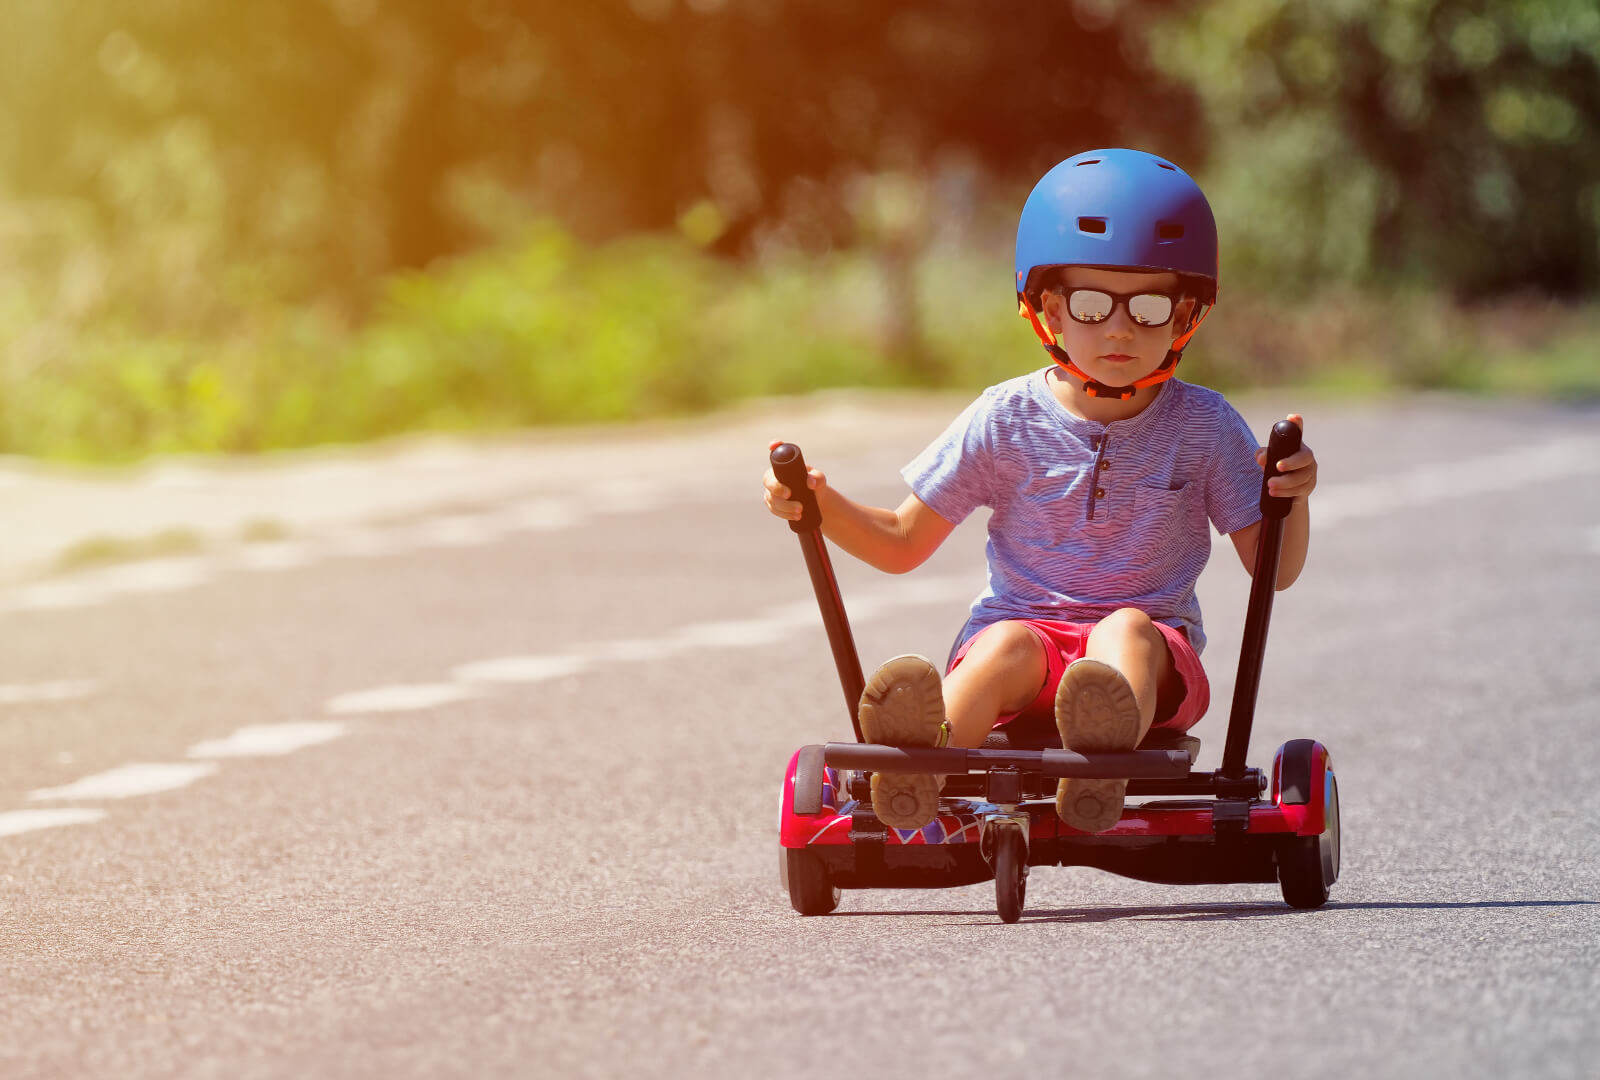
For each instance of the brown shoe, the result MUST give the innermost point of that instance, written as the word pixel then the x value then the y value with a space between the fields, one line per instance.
pixel 903 705
pixel 1095 710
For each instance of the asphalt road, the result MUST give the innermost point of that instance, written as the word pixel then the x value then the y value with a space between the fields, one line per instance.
pixel 567 866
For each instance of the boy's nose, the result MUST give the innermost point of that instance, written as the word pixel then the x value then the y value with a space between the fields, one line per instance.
pixel 1119 325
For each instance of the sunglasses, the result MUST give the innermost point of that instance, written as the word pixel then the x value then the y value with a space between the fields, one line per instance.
pixel 1096 305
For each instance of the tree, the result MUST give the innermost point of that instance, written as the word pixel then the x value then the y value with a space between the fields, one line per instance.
pixel 337 128
pixel 1448 141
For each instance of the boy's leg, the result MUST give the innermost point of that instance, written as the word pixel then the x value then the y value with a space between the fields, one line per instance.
pixel 1001 672
pixel 1129 641
pixel 903 704
pixel 1107 701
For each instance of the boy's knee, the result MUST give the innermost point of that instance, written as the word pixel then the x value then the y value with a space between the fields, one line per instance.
pixel 1128 622
pixel 1008 642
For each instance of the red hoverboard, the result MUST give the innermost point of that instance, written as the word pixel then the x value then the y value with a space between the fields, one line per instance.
pixel 997 814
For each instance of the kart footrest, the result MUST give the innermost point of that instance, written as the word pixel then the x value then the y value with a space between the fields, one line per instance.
pixel 1118 765
pixel 1195 785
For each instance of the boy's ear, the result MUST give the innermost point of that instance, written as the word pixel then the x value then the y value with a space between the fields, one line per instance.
pixel 1183 316
pixel 1050 309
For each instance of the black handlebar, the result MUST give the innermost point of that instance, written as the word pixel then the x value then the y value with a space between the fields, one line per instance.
pixel 1284 440
pixel 789 466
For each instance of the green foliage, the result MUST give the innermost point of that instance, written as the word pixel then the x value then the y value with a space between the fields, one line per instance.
pixel 543 330
pixel 338 132
pixel 1448 142
pixel 234 227
pixel 96 551
pixel 263 531
pixel 536 330
pixel 1362 342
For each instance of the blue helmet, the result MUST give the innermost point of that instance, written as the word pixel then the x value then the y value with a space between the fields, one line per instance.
pixel 1120 210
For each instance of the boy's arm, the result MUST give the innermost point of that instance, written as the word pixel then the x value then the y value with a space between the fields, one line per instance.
pixel 1296 479
pixel 894 541
pixel 891 540
pixel 1296 540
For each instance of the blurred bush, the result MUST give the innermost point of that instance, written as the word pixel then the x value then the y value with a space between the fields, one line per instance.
pixel 235 227
pixel 1450 143
pixel 542 330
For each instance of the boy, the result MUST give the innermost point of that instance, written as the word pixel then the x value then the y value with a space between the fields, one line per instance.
pixel 1102 471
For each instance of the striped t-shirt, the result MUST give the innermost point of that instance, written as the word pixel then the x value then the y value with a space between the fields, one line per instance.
pixel 1091 517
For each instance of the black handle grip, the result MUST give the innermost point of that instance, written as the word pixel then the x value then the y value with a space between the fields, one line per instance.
pixel 1284 440
pixel 790 468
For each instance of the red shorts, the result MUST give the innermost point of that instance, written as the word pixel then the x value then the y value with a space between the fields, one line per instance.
pixel 1064 642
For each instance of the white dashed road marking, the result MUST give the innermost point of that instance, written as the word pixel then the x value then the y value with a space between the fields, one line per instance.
pixel 126 781
pixel 544 515
pixel 460 531
pixel 158 575
pixel 60 690
pixel 57 596
pixel 268 740
pixel 521 669
pixel 450 531
pixel 1509 470
pixel 13 822
pixel 280 555
pixel 770 628
pixel 408 698
pixel 88 589
pixel 1335 502
pixel 360 542
pixel 1519 467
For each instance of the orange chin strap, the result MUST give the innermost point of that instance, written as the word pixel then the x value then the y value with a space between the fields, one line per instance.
pixel 1092 386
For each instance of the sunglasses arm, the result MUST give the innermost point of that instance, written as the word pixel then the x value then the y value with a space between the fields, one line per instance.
pixel 1092 386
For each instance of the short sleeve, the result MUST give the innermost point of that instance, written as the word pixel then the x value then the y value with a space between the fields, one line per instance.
pixel 1233 482
pixel 955 474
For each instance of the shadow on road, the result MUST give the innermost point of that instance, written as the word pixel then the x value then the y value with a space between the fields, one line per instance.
pixel 1230 911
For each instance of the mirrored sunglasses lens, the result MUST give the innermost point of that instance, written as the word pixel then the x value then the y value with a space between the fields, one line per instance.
pixel 1088 305
pixel 1150 309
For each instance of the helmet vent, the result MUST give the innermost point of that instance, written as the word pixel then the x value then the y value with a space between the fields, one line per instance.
pixel 1096 225
pixel 1169 168
pixel 1091 161
pixel 1169 230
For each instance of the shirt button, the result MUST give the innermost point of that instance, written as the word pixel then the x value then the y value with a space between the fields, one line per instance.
pixel 1099 493
pixel 1104 465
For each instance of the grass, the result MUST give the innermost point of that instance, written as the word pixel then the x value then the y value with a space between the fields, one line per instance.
pixel 540 330
pixel 1358 343
pixel 263 531
pixel 98 551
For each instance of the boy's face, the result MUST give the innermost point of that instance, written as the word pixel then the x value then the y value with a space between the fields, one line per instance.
pixel 1117 351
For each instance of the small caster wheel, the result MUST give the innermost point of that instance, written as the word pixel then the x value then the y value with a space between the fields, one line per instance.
pixel 810 889
pixel 1010 873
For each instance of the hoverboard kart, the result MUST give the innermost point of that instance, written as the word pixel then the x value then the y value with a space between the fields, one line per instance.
pixel 997 813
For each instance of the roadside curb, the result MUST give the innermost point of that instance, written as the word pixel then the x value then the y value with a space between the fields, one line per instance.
pixel 61 518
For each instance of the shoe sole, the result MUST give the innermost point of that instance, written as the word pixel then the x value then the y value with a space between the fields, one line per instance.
pixel 1095 711
pixel 903 705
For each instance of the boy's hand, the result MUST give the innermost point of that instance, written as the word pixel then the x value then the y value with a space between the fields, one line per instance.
pixel 1297 473
pixel 778 496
